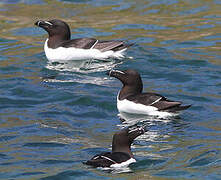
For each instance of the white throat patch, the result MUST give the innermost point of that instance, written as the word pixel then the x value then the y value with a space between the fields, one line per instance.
pixel 48 23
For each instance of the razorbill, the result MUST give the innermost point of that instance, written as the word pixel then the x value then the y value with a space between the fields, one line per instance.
pixel 121 155
pixel 59 47
pixel 130 99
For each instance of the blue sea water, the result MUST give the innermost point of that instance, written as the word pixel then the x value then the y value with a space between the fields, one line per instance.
pixel 54 116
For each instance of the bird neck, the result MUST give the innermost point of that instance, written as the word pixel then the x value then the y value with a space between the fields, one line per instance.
pixel 130 90
pixel 55 41
pixel 125 149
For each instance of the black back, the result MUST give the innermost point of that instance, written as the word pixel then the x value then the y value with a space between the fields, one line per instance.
pixel 132 91
pixel 121 151
pixel 106 159
pixel 60 34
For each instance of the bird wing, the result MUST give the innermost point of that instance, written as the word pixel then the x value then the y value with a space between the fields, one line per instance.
pixel 120 157
pixel 153 99
pixel 83 43
pixel 101 160
pixel 110 45
pixel 107 159
pixel 91 43
pixel 145 98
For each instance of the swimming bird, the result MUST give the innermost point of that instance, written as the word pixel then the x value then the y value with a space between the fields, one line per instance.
pixel 121 155
pixel 60 47
pixel 132 100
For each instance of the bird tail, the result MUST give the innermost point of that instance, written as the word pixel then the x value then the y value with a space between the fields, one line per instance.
pixel 122 47
pixel 177 108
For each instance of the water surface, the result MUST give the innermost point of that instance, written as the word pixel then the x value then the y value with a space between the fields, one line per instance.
pixel 54 116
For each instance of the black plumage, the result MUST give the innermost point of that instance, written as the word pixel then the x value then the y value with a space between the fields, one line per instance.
pixel 107 159
pixel 60 34
pixel 121 149
pixel 132 91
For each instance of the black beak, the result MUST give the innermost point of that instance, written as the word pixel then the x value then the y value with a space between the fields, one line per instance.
pixel 109 73
pixel 43 24
pixel 134 133
pixel 39 23
pixel 139 130
pixel 114 73
pixel 142 130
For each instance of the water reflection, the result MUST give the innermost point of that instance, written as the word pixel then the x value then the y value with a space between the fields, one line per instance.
pixel 131 119
pixel 89 66
pixel 158 136
pixel 156 127
pixel 67 77
pixel 117 170
pixel 177 49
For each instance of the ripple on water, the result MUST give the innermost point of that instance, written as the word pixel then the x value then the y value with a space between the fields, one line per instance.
pixel 73 174
pixel 53 116
pixel 22 1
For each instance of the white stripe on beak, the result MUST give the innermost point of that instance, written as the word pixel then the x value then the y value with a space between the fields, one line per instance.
pixel 136 129
pixel 121 72
pixel 48 23
pixel 110 72
pixel 39 23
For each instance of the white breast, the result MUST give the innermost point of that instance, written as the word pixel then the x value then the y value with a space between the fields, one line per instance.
pixel 131 107
pixel 126 106
pixel 66 54
pixel 123 164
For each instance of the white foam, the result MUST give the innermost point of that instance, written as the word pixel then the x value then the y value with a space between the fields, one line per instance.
pixel 132 119
pixel 116 170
